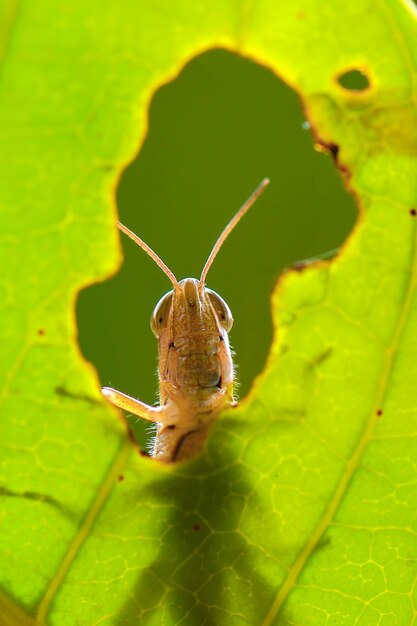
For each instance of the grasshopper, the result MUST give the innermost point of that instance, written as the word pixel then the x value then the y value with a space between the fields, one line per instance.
pixel 195 367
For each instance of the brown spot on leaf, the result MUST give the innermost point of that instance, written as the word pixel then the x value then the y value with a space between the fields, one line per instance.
pixel 323 356
pixel 333 149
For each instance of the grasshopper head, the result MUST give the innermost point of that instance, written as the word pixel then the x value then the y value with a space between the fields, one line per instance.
pixel 192 309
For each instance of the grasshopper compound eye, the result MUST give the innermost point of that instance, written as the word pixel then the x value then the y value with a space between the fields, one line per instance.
pixel 224 314
pixel 160 314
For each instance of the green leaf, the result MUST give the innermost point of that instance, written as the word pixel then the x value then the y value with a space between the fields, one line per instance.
pixel 302 508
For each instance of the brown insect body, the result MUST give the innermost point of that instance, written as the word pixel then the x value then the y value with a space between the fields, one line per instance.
pixel 195 367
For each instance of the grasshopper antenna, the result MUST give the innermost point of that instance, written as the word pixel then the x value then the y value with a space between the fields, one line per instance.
pixel 230 226
pixel 149 251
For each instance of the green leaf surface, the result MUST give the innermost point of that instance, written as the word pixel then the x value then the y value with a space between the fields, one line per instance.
pixel 302 509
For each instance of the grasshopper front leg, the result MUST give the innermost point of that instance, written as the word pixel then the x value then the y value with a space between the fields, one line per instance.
pixel 155 414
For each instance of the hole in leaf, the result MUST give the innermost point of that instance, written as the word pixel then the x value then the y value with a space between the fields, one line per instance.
pixel 214 132
pixel 354 80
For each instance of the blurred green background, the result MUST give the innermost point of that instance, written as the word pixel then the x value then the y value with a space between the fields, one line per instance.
pixel 214 133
